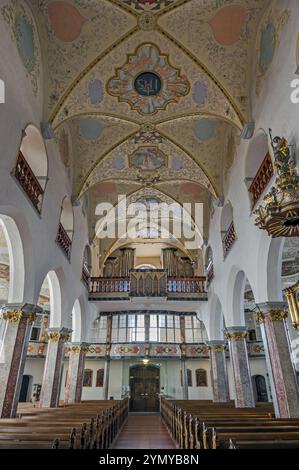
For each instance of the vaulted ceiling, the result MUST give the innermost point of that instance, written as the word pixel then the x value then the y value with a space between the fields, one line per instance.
pixel 148 95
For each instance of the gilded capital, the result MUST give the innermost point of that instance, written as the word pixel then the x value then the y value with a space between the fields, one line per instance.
pixel 236 335
pixel 54 336
pixel 276 314
pixel 259 317
pixel 14 316
pixel 31 318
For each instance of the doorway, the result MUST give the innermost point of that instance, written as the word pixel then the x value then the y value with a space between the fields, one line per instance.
pixel 260 388
pixel 24 388
pixel 145 388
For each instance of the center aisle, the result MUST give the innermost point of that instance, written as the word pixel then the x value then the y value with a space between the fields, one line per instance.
pixel 143 431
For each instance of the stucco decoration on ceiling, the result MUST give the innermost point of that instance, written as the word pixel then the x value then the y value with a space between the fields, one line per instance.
pixel 228 24
pixel 20 20
pixel 147 81
pixel 268 40
pixel 205 129
pixel 147 135
pixel 148 159
pixel 191 26
pixel 140 5
pixel 66 20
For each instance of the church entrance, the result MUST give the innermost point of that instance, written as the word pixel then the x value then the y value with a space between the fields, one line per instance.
pixel 145 388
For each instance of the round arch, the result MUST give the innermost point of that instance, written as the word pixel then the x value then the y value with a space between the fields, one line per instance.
pixel 34 151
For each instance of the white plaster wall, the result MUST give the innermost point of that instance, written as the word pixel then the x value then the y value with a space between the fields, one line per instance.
pixel 38 234
pixel 254 253
pixel 169 377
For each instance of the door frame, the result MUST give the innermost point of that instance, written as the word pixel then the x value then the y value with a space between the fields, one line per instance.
pixel 143 366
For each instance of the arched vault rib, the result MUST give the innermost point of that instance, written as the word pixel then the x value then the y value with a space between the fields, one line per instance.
pixel 167 138
pixel 86 70
pixel 73 117
pixel 205 69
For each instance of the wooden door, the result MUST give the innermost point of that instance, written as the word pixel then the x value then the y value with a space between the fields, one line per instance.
pixel 145 388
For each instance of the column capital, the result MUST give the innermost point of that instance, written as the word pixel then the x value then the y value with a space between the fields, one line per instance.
pixel 273 313
pixel 238 333
pixel 57 334
pixel 13 313
pixel 218 346
pixel 267 306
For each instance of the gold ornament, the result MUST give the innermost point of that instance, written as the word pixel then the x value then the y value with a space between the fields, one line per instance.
pixel 279 213
pixel 277 314
pixel 14 316
pixel 54 336
pixel 259 317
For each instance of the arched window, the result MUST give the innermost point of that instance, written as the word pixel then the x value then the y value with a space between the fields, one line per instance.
pixel 100 378
pixel 228 232
pixel 32 166
pixel 87 378
pixel 259 168
pixel 66 227
pixel 201 378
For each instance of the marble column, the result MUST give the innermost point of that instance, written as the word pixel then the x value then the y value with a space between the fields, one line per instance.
pixel 219 371
pixel 184 372
pixel 240 364
pixel 17 330
pixel 49 396
pixel 107 357
pixel 75 372
pixel 272 319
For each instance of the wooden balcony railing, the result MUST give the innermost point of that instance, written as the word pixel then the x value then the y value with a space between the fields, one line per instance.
pixel 229 239
pixel 192 285
pixel 85 275
pixel 152 283
pixel 102 285
pixel 261 179
pixel 210 273
pixel 148 283
pixel 64 241
pixel 29 182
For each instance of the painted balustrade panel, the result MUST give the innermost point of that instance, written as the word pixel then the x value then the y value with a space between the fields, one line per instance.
pixel 148 283
pixel 64 241
pixel 229 239
pixel 29 182
pixel 261 179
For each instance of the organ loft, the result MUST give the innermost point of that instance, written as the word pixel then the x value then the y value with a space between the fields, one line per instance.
pixel 149 223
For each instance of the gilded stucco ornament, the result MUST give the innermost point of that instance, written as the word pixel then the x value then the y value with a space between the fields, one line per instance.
pixel 236 335
pixel 291 295
pixel 279 213
pixel 276 314
pixel 147 81
pixel 14 316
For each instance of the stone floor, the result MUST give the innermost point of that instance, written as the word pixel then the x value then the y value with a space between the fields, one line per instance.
pixel 144 431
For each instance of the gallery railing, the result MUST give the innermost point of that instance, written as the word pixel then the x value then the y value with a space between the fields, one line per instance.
pixel 229 239
pixel 85 275
pixel 64 241
pixel 210 273
pixel 261 179
pixel 29 182
pixel 147 283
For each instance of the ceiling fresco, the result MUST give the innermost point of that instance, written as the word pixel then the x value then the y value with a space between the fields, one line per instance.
pixel 146 95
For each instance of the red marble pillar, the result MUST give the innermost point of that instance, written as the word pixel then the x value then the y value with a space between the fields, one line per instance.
pixel 219 371
pixel 75 372
pixel 14 349
pixel 241 371
pixel 57 337
pixel 282 372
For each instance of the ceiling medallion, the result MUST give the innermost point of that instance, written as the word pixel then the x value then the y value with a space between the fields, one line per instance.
pixel 151 4
pixel 147 135
pixel 147 21
pixel 279 213
pixel 147 82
